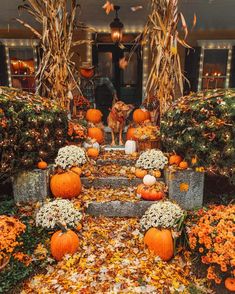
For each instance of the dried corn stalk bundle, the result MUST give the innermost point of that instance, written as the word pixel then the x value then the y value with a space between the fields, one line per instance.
pixel 58 21
pixel 162 35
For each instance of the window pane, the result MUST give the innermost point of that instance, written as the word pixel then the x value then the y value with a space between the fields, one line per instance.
pixel 105 64
pixel 22 61
pixel 130 73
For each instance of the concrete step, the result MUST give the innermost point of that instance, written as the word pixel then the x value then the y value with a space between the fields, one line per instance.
pixel 120 161
pixel 118 208
pixel 112 182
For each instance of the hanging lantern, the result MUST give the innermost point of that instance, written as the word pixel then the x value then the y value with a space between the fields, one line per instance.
pixel 116 27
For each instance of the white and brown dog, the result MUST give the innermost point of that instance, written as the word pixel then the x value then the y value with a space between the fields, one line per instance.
pixel 117 119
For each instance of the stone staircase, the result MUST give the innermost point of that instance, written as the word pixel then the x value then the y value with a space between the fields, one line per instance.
pixel 135 207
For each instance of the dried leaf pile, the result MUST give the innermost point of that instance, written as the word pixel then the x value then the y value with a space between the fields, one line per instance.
pixel 112 259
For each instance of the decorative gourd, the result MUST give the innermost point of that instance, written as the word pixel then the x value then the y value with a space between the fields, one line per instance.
pixel 175 159
pixel 151 194
pixel 139 189
pixel 63 242
pixel 77 170
pixel 93 152
pixel 140 173
pixel 149 180
pixel 130 135
pixel 94 115
pixel 140 116
pixel 87 145
pixel 87 73
pixel 157 174
pixel 42 164
pixel 97 134
pixel 161 242
pixel 183 165
pixel 66 185
pixel 130 147
pixel 230 284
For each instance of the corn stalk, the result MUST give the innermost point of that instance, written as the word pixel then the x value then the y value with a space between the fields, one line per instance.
pixel 57 19
pixel 162 36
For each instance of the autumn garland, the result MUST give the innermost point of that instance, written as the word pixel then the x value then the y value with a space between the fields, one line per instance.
pixel 214 238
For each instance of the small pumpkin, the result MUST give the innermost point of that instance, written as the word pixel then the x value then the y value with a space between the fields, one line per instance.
pixel 151 194
pixel 93 152
pixel 157 174
pixel 140 173
pixel 79 227
pixel 140 115
pixel 175 159
pixel 130 147
pixel 66 185
pixel 230 284
pixel 183 165
pixel 161 242
pixel 97 134
pixel 134 154
pixel 42 164
pixel 130 135
pixel 149 180
pixel 94 115
pixel 77 170
pixel 63 242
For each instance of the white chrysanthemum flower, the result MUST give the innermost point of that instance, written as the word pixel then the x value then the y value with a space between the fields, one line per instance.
pixel 152 159
pixel 58 211
pixel 69 156
pixel 163 214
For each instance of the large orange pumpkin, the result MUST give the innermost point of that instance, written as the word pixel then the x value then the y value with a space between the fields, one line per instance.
pixel 230 284
pixel 62 243
pixel 66 185
pixel 161 242
pixel 94 115
pixel 151 194
pixel 130 135
pixel 140 116
pixel 175 159
pixel 92 152
pixel 96 133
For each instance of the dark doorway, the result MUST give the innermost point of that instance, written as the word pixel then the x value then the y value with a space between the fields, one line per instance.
pixel 128 82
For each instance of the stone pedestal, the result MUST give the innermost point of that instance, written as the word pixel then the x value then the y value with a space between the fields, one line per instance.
pixel 185 187
pixel 32 185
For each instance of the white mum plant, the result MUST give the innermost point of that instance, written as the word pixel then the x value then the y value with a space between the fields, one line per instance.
pixel 69 156
pixel 163 214
pixel 58 211
pixel 152 159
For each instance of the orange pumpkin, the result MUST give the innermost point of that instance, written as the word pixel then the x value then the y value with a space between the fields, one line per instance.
pixel 183 165
pixel 230 284
pixel 42 164
pixel 97 134
pixel 130 135
pixel 157 174
pixel 77 170
pixel 161 242
pixel 87 73
pixel 79 227
pixel 140 116
pixel 140 173
pixel 175 159
pixel 94 115
pixel 92 152
pixel 66 185
pixel 151 194
pixel 62 243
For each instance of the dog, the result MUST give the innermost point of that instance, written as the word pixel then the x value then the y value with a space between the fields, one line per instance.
pixel 117 119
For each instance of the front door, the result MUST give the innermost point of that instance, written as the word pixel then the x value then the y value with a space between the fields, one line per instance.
pixel 128 82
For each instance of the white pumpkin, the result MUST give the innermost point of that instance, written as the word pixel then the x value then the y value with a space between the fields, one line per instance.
pixel 130 147
pixel 95 145
pixel 149 180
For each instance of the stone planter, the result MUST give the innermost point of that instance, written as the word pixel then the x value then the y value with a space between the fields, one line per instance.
pixel 185 187
pixel 32 185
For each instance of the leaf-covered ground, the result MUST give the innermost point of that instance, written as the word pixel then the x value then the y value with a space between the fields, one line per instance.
pixel 112 259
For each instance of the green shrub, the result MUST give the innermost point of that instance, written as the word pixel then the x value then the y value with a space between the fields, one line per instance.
pixel 203 125
pixel 31 128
